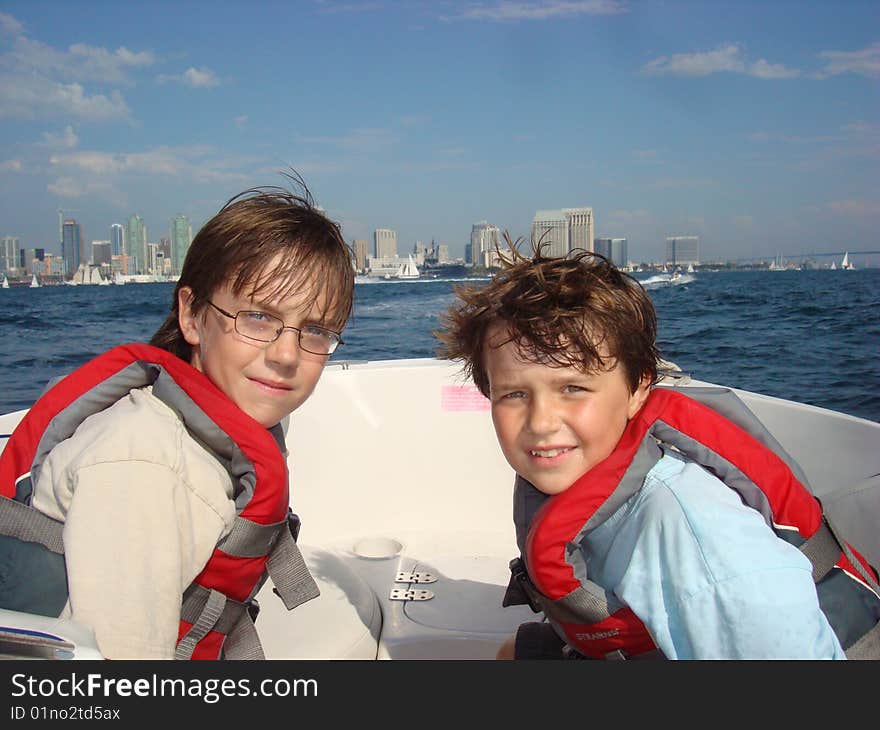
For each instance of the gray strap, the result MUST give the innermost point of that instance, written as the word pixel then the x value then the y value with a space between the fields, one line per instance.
pixel 243 642
pixel 868 647
pixel 204 623
pixel 290 574
pixel 857 564
pixel 29 524
pixel 249 539
pixel 585 604
pixel 823 551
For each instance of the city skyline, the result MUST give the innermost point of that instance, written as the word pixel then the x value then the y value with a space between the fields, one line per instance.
pixel 753 126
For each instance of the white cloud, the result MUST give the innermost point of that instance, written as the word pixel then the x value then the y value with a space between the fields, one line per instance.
pixel 763 70
pixel 37 80
pixel 24 98
pixel 728 58
pixel 89 171
pixel 513 11
pixel 11 165
pixel 10 25
pixel 66 138
pixel 865 62
pixel 855 208
pixel 199 78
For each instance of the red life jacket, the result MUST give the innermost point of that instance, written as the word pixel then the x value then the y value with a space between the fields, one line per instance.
pixel 219 603
pixel 747 459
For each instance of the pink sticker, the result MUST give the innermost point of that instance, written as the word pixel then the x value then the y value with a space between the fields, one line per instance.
pixel 462 398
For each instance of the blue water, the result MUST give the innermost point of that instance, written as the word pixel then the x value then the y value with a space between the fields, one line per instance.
pixel 809 336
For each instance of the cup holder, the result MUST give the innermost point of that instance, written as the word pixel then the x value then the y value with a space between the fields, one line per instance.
pixel 377 548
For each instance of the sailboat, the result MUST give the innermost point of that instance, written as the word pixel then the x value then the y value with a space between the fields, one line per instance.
pixel 846 264
pixel 5 284
pixel 834 266
pixel 409 270
pixel 35 283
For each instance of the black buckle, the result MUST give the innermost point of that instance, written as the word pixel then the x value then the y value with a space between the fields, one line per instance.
pixel 253 609
pixel 293 524
pixel 521 590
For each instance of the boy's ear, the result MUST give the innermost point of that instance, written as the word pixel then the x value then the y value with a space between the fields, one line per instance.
pixel 637 399
pixel 189 324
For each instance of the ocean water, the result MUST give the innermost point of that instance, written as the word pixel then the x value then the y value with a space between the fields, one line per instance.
pixel 808 336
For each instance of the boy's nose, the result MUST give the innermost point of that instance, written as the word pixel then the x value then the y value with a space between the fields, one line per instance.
pixel 285 350
pixel 542 418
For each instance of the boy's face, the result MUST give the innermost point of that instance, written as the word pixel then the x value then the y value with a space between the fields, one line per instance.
pixel 555 423
pixel 267 381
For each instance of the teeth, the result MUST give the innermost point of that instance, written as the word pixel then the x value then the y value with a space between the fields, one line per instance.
pixel 547 454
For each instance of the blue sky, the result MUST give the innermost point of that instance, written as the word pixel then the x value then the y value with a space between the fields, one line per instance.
pixel 753 125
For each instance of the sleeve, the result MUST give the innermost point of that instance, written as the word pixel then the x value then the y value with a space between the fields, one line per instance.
pixel 132 551
pixel 711 580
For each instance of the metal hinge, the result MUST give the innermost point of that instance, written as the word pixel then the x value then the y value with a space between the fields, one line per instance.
pixel 404 577
pixel 411 594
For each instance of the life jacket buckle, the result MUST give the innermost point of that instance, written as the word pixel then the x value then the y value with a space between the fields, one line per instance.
pixel 521 589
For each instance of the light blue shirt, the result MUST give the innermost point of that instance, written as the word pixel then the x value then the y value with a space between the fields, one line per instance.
pixel 706 575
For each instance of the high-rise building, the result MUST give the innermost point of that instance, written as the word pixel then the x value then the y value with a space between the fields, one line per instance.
pixel 385 243
pixel 560 231
pixel 613 249
pixel 682 250
pixel 9 256
pixel 181 238
pixel 28 257
pixel 71 245
pixel 117 239
pixel 101 253
pixel 361 249
pixel 137 243
pixel 484 244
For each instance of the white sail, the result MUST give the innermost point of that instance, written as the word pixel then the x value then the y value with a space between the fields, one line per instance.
pixel 409 270
pixel 34 282
pixel 5 284
pixel 846 264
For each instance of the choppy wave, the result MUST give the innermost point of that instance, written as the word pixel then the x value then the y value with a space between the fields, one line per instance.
pixel 810 336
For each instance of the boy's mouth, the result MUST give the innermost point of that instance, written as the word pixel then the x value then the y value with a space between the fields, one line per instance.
pixel 550 453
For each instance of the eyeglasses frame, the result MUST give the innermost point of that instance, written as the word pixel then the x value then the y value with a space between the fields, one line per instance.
pixel 234 318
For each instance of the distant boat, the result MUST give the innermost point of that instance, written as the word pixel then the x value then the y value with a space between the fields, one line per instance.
pixel 35 284
pixel 834 266
pixel 409 270
pixel 846 264
pixel 5 284
pixel 118 278
pixel 690 269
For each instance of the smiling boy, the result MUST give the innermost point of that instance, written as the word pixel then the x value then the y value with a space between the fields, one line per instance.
pixel 565 350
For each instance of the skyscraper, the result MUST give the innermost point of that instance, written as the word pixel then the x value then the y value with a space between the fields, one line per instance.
pixel 385 243
pixel 682 250
pixel 560 231
pixel 181 238
pixel 117 239
pixel 361 251
pixel 613 249
pixel 71 245
pixel 484 242
pixel 137 243
pixel 9 254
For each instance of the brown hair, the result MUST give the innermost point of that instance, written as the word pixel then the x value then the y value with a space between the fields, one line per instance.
pixel 239 247
pixel 574 311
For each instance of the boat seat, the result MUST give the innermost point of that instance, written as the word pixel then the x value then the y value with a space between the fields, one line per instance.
pixel 342 623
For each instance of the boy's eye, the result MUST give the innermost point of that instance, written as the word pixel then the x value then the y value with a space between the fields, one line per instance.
pixel 570 388
pixel 257 316
pixel 514 394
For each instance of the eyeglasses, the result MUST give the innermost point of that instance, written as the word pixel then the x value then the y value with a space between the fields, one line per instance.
pixel 267 328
